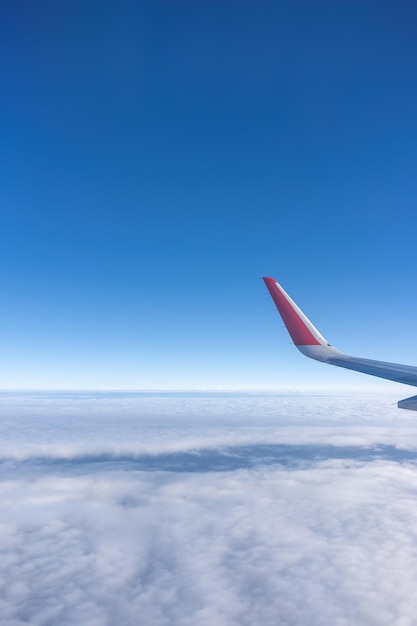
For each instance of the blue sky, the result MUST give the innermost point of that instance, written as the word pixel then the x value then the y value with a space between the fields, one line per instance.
pixel 159 157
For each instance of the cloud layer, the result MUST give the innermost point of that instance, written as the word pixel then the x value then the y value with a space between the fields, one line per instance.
pixel 233 534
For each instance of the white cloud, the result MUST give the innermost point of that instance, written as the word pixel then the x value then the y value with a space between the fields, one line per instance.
pixel 94 541
pixel 335 543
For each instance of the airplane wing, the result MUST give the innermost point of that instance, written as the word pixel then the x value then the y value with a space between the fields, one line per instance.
pixel 312 344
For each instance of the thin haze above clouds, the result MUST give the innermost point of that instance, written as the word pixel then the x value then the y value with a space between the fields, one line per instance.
pixel 188 509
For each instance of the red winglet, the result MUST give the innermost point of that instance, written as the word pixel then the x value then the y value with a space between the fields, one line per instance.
pixel 299 331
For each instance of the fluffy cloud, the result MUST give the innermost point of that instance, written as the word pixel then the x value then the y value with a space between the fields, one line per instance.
pixel 238 533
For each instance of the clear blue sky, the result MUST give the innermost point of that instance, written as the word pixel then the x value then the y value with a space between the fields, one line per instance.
pixel 157 158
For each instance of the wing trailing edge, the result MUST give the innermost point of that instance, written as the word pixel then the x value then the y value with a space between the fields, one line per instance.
pixel 312 344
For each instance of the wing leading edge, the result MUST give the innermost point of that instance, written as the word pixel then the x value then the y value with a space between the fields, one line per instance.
pixel 312 344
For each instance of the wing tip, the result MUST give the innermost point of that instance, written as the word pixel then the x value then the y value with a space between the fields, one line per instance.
pixel 301 330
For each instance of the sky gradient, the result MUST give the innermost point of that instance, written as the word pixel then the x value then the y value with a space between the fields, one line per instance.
pixel 158 158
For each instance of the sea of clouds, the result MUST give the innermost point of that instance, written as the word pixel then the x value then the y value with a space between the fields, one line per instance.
pixel 207 509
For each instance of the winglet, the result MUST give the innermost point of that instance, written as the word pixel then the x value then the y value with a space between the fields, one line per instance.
pixel 302 331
